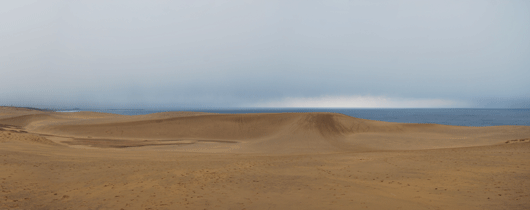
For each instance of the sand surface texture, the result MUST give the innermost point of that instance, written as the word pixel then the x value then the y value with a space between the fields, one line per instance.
pixel 192 160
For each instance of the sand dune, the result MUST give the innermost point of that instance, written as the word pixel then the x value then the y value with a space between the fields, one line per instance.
pixel 176 160
pixel 265 133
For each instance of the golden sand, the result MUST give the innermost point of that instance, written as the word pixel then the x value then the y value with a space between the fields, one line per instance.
pixel 191 160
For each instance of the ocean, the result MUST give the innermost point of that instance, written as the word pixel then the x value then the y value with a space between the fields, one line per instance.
pixel 461 117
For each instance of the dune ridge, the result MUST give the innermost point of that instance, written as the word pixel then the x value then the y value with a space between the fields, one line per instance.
pixel 251 133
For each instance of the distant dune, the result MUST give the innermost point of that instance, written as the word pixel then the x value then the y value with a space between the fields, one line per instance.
pixel 279 161
pixel 266 133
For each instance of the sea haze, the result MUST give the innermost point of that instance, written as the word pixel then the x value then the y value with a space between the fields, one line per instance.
pixel 461 117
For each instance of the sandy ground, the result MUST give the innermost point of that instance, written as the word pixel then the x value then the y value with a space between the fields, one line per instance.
pixel 187 160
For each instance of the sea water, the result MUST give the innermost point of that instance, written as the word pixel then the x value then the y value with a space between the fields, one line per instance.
pixel 462 117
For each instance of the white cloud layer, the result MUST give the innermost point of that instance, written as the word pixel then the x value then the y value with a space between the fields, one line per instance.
pixel 362 102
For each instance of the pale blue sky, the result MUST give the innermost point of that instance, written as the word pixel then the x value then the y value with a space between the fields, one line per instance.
pixel 379 53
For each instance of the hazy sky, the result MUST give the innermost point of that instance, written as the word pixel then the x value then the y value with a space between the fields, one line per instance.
pixel 372 53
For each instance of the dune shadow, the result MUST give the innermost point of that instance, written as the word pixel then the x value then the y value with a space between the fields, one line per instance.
pixel 120 143
pixel 12 128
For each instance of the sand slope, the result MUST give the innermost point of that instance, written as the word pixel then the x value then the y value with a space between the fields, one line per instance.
pixel 258 133
pixel 189 160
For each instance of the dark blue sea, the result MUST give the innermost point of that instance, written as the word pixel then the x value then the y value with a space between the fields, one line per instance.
pixel 462 117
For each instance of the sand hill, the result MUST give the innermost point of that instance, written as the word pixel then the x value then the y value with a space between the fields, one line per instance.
pixel 179 160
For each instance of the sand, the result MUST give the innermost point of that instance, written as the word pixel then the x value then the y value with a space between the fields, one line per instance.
pixel 191 160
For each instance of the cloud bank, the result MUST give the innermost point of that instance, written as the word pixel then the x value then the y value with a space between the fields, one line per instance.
pixel 362 102
pixel 231 53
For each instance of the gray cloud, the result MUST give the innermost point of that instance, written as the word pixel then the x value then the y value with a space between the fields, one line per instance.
pixel 236 53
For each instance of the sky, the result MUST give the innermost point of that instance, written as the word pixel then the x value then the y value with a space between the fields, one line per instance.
pixel 174 54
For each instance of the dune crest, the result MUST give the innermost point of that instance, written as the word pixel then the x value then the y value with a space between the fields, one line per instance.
pixel 251 133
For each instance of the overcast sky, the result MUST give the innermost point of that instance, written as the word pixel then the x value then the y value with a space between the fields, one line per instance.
pixel 368 53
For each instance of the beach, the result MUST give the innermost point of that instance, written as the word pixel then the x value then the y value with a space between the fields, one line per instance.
pixel 197 160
